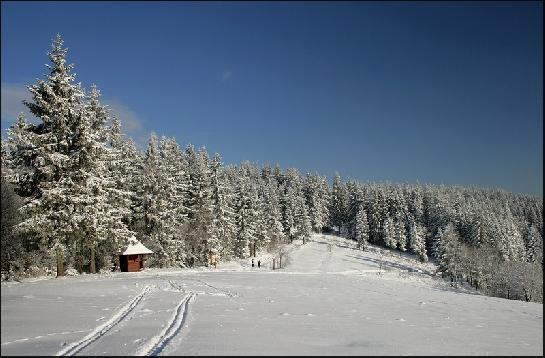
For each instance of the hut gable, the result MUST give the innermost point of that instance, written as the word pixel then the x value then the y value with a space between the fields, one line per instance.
pixel 135 247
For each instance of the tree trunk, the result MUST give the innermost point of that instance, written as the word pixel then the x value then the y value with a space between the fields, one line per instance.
pixel 92 268
pixel 60 266
pixel 274 260
pixel 80 258
pixel 80 263
pixel 527 296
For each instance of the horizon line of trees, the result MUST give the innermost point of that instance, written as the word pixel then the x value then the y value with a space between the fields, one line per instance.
pixel 75 190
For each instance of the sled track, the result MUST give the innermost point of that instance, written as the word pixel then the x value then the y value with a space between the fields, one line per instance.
pixel 159 342
pixel 102 329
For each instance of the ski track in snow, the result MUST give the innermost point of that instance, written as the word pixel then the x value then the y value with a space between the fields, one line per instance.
pixel 176 286
pixel 44 335
pixel 226 292
pixel 159 342
pixel 102 329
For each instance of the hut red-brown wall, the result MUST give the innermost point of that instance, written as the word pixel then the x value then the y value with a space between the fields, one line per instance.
pixel 131 263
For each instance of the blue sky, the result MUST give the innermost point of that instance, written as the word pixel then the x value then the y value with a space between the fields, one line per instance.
pixel 437 93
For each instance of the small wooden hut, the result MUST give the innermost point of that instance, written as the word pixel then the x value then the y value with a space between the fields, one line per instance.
pixel 132 259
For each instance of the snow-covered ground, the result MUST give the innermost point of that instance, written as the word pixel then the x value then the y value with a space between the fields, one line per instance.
pixel 330 299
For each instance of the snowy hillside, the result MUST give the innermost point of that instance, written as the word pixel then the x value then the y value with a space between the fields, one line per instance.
pixel 330 299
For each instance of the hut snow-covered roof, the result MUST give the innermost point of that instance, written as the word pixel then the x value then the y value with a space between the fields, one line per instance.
pixel 135 247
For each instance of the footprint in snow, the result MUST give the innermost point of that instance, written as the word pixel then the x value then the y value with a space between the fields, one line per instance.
pixel 400 319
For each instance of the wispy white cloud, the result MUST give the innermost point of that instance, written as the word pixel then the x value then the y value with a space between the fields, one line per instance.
pixel 131 123
pixel 13 95
pixel 226 75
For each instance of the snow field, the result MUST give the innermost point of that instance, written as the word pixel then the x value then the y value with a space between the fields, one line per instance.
pixel 324 302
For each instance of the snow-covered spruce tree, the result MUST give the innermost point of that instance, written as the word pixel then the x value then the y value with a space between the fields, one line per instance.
pixel 109 233
pixel 417 243
pixel 262 238
pixel 449 253
pixel 338 204
pixel 153 199
pixel 223 226
pixel 376 215
pixel 436 244
pixel 400 232
pixel 290 189
pixel 516 250
pixel 126 167
pixel 13 246
pixel 18 155
pixel 200 207
pixel 173 187
pixel 534 244
pixel 230 176
pixel 40 154
pixel 416 205
pixel 389 233
pixel 317 197
pixel 62 183
pixel 245 217
pixel 302 220
pixel 355 199
pixel 18 159
pixel 273 216
pixel 362 229
pixel 122 167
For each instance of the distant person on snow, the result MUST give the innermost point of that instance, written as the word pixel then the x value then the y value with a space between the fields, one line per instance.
pixel 258 263
pixel 252 262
